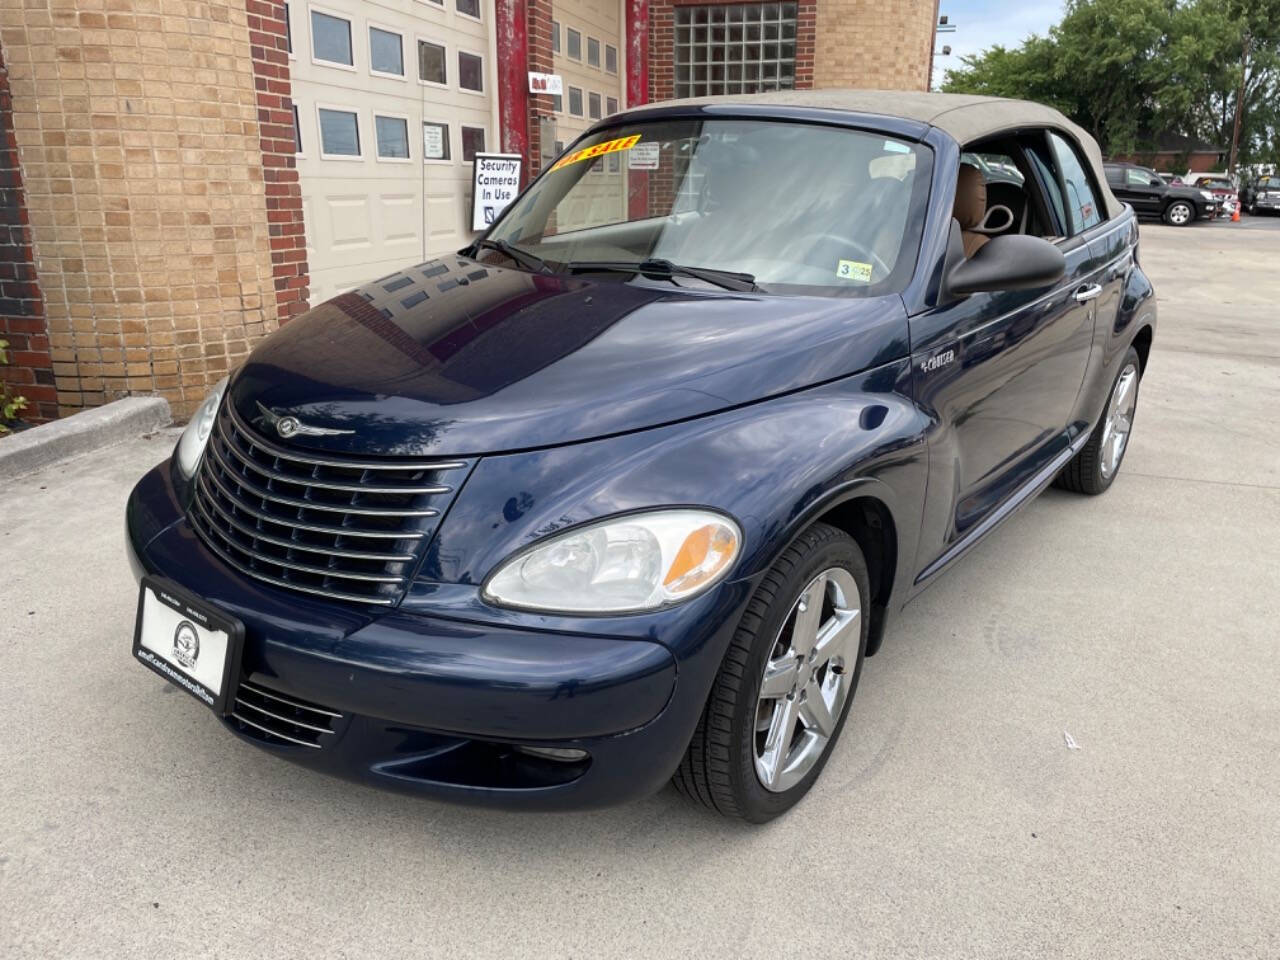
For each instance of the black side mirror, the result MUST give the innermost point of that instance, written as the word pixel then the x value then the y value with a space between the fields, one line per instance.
pixel 1010 262
pixel 1156 182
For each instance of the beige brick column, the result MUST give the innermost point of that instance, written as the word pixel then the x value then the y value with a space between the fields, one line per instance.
pixel 137 129
pixel 886 44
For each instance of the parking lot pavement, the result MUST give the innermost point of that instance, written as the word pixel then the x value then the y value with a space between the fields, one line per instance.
pixel 952 820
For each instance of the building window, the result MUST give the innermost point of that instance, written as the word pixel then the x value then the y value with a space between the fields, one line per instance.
pixel 431 63
pixel 386 52
pixel 288 29
pixel 557 103
pixel 469 7
pixel 575 102
pixel 555 36
pixel 735 49
pixel 392 134
pixel 339 133
pixel 331 39
pixel 471 72
pixel 472 143
pixel 297 131
pixel 573 40
pixel 610 106
pixel 593 106
pixel 435 141
pixel 615 164
pixel 610 58
pixel 593 52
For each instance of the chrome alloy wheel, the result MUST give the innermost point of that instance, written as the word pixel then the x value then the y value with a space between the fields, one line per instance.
pixel 807 679
pixel 1179 214
pixel 1115 434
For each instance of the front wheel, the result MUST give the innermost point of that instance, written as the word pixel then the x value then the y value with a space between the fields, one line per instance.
pixel 783 691
pixel 1096 465
pixel 1179 213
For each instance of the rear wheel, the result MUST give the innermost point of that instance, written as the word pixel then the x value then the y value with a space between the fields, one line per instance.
pixel 1093 469
pixel 780 700
pixel 1179 213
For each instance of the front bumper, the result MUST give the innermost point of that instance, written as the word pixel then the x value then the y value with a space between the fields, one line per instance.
pixel 439 705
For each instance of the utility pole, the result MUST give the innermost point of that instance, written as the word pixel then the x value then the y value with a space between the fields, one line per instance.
pixel 1235 129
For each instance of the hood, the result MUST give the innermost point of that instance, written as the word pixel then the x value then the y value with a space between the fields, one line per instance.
pixel 459 357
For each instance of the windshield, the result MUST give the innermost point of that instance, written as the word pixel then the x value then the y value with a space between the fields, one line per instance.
pixel 797 207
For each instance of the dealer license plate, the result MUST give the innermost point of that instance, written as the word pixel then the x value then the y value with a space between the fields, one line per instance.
pixel 188 642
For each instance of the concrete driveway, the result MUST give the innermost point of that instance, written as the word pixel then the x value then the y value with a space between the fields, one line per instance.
pixel 952 821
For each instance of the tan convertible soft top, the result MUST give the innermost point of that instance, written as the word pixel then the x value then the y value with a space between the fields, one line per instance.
pixel 964 117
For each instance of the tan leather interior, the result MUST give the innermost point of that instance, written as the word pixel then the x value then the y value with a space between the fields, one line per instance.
pixel 970 207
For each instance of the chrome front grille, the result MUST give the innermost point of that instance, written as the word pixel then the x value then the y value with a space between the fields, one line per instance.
pixel 323 524
pixel 275 718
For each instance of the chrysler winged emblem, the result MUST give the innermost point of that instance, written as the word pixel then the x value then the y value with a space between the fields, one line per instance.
pixel 289 426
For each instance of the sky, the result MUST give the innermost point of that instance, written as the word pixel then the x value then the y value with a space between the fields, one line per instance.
pixel 983 24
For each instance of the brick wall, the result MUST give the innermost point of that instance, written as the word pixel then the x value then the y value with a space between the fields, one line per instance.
pixel 29 372
pixel 540 61
pixel 885 44
pixel 269 48
pixel 137 124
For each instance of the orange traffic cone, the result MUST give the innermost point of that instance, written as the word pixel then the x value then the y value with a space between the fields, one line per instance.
pixel 1235 214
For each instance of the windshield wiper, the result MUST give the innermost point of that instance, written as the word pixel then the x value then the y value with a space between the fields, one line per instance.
pixel 518 254
pixel 657 269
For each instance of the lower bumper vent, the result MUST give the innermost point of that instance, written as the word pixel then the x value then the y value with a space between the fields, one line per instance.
pixel 282 720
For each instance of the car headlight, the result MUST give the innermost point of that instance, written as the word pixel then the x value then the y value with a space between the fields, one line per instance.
pixel 192 442
pixel 1206 194
pixel 640 561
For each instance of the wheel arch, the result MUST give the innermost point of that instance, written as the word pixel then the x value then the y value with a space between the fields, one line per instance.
pixel 1142 343
pixel 870 522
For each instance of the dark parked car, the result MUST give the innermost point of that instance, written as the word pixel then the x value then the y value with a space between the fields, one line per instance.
pixel 625 491
pixel 1262 195
pixel 1150 196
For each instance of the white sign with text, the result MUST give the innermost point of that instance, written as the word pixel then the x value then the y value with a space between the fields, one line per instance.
pixel 549 83
pixel 495 181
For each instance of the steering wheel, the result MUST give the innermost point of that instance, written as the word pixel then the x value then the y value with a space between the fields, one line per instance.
pixel 857 246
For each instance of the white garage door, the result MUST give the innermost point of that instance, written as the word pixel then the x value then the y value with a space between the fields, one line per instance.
pixel 391 99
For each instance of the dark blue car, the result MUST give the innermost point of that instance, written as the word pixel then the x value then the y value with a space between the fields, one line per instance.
pixel 625 491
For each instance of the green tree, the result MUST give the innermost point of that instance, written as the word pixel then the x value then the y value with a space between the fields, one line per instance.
pixel 1129 69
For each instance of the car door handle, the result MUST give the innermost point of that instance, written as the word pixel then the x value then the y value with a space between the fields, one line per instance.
pixel 1089 292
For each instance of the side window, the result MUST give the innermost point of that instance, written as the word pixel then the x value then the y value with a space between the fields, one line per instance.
pixel 1082 206
pixel 1049 180
pixel 1116 175
pixel 1139 178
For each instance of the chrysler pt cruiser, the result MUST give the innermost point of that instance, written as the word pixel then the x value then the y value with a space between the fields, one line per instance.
pixel 625 491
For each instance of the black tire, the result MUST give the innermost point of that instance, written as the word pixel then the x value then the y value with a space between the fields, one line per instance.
pixel 1180 213
pixel 718 769
pixel 1084 473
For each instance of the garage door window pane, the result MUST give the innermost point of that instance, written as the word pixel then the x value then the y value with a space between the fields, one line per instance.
pixel 386 52
pixel 435 141
pixel 593 52
pixel 331 38
pixel 470 7
pixel 575 102
pixel 470 72
pixel 393 137
pixel 573 40
pixel 431 63
pixel 735 49
pixel 472 143
pixel 593 106
pixel 339 133
pixel 611 58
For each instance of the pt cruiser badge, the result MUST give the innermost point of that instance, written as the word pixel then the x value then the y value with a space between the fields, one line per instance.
pixel 636 481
